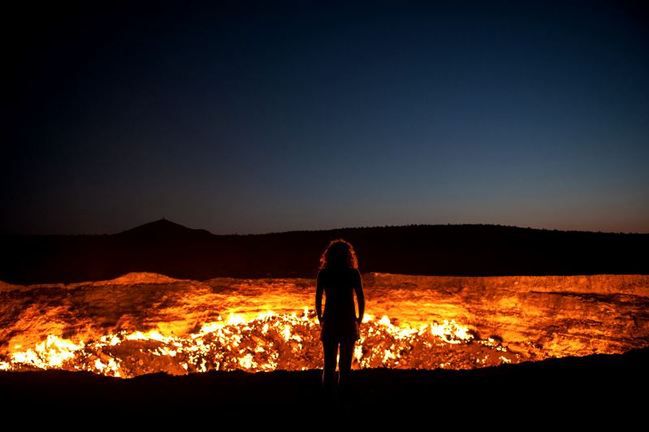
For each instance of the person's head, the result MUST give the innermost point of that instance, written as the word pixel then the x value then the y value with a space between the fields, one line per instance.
pixel 339 254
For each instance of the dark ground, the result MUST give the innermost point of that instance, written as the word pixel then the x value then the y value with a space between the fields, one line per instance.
pixel 462 250
pixel 587 390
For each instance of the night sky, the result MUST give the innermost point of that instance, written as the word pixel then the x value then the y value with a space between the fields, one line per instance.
pixel 251 118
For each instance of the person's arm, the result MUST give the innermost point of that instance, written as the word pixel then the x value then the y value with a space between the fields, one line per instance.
pixel 318 299
pixel 360 297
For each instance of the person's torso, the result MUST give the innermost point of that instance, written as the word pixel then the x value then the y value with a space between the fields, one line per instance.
pixel 338 285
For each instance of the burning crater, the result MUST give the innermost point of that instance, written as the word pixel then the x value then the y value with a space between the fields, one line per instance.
pixel 144 323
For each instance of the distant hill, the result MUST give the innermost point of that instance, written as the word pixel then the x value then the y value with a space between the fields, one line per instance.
pixel 177 251
pixel 164 228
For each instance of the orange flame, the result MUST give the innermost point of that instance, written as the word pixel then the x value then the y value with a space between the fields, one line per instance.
pixel 264 343
pixel 139 324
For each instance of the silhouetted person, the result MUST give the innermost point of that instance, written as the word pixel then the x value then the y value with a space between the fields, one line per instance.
pixel 339 278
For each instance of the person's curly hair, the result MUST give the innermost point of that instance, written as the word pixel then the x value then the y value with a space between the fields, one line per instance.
pixel 339 254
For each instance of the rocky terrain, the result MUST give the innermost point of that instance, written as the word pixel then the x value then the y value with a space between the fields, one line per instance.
pixel 144 323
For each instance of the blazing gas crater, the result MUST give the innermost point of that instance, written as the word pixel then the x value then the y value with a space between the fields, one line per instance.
pixel 144 323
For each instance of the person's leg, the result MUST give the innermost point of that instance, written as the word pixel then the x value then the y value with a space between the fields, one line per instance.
pixel 345 362
pixel 330 350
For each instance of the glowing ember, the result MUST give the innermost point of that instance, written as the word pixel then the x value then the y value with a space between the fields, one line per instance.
pixel 265 343
pixel 142 324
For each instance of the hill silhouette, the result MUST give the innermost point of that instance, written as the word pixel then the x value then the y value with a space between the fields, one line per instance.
pixel 177 251
pixel 163 228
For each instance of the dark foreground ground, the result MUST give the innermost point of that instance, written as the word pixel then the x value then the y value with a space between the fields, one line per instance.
pixel 611 388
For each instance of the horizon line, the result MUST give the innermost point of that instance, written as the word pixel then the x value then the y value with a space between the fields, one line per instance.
pixel 164 219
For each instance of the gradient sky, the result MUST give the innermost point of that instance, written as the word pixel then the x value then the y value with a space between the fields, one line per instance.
pixel 307 115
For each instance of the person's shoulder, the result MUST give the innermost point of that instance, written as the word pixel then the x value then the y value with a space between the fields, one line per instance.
pixel 354 277
pixel 355 273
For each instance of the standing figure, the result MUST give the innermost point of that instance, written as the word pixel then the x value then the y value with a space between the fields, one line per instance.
pixel 339 279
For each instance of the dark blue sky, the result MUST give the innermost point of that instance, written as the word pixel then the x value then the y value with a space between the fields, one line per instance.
pixel 309 115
